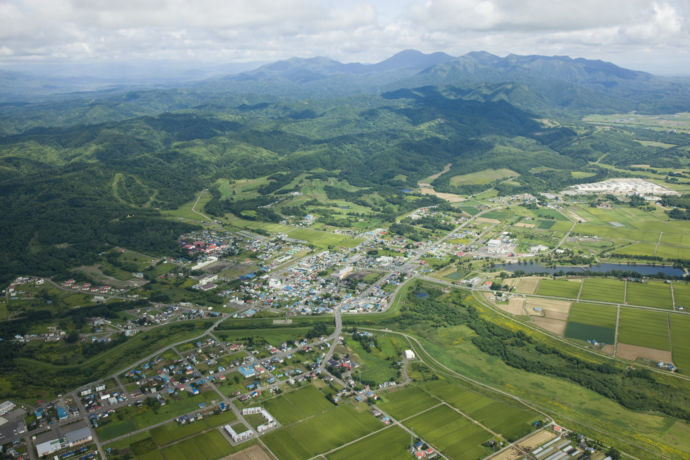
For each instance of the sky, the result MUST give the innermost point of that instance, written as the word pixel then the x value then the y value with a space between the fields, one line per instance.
pixel 644 35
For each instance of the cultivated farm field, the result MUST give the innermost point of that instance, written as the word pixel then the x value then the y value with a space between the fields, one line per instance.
pixel 603 290
pixel 406 402
pixel 391 443
pixel 651 294
pixel 511 421
pixel 298 441
pixel 680 337
pixel 559 288
pixel 450 432
pixel 589 321
pixel 644 328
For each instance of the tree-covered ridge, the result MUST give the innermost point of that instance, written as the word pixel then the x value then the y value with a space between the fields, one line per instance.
pixel 68 191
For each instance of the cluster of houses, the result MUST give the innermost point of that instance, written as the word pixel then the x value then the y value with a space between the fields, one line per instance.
pixel 52 334
pixel 88 288
pixel 12 290
pixel 209 243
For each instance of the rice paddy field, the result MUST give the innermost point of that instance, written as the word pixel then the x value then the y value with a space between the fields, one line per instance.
pixel 510 420
pixel 297 405
pixel 644 328
pixel 450 432
pixel 680 337
pixel 298 441
pixel 208 446
pixel 588 321
pixel 681 293
pixel 559 288
pixel 603 290
pixel 390 444
pixel 173 431
pixel 651 294
pixel 404 403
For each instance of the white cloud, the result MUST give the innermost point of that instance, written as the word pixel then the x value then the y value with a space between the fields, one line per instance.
pixel 647 34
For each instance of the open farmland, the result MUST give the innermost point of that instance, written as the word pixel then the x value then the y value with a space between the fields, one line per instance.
pixel 323 239
pixel 587 321
pixel 482 177
pixel 644 328
pixel 455 435
pixel 603 290
pixel 681 293
pixel 207 446
pixel 510 420
pixel 650 294
pixel 406 402
pixel 298 441
pixel 297 405
pixel 389 444
pixel 559 288
pixel 173 431
pixel 680 338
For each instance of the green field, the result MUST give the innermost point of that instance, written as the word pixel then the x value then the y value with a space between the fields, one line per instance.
pixel 644 328
pixel 603 290
pixel 680 337
pixel 447 430
pixel 207 446
pixel 275 336
pixel 133 417
pixel 559 288
pixel 651 294
pixel 404 403
pixel 377 366
pixel 173 431
pixel 297 405
pixel 323 239
pixel 588 321
pixel 482 177
pixel 681 293
pixel 511 421
pixel 334 427
pixel 390 444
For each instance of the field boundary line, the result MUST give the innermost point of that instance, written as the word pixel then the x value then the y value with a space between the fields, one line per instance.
pixel 269 451
pixel 579 292
pixel 499 312
pixel 615 338
pixel 530 404
pixel 656 247
pixel 476 422
pixel 625 292
pixel 673 297
pixel 670 337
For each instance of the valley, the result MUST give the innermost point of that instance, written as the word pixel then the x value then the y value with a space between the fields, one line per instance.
pixel 446 268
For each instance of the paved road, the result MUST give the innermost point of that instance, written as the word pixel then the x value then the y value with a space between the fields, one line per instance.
pixel 335 338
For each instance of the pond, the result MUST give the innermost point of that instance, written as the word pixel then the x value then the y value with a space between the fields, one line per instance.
pixel 667 270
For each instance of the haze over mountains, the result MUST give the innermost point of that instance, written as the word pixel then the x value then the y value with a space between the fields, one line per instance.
pixel 543 82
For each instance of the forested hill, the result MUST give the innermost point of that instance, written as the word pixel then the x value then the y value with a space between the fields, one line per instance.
pixel 84 173
pixel 556 85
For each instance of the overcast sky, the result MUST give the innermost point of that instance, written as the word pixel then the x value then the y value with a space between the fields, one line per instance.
pixel 640 34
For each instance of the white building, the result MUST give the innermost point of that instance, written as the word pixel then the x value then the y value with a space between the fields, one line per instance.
pixel 494 245
pixel 409 354
pixel 238 437
pixel 6 407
